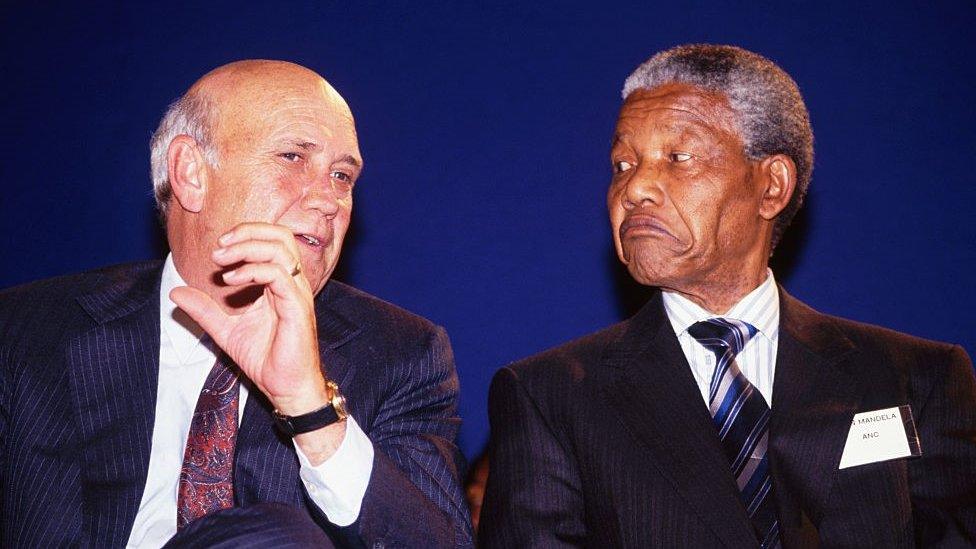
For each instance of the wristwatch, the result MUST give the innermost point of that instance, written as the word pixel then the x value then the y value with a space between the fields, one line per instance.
pixel 332 412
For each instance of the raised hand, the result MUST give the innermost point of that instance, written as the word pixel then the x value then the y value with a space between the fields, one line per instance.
pixel 274 340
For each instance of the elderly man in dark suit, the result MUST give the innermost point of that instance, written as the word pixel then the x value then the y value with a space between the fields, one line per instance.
pixel 726 413
pixel 232 394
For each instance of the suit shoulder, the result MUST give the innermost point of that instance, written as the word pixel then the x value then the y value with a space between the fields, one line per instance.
pixel 49 302
pixel 873 338
pixel 75 284
pixel 882 351
pixel 373 313
pixel 35 316
pixel 567 363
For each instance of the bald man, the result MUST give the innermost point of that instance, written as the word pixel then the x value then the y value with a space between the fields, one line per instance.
pixel 232 393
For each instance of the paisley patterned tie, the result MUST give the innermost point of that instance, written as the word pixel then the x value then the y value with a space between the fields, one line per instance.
pixel 206 479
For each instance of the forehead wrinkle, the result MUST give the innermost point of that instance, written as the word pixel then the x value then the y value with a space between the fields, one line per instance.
pixel 307 127
pixel 708 110
pixel 688 128
pixel 658 129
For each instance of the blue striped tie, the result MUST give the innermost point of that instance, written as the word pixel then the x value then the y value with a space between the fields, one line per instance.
pixel 742 417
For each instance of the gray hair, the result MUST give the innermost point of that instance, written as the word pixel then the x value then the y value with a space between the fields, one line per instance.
pixel 772 117
pixel 192 115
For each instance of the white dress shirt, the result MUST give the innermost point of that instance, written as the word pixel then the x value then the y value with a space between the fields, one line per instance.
pixel 185 359
pixel 757 361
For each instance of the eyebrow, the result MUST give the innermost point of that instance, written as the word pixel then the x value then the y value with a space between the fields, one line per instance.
pixel 310 146
pixel 350 159
pixel 303 145
pixel 671 129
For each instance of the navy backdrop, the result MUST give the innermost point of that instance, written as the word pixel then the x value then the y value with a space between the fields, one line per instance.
pixel 485 131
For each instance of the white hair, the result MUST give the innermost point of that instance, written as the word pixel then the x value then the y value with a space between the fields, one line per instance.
pixel 192 115
pixel 772 117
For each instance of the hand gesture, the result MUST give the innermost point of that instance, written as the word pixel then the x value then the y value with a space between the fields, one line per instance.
pixel 274 340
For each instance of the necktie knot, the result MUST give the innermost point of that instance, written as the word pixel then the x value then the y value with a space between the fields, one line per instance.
pixel 722 335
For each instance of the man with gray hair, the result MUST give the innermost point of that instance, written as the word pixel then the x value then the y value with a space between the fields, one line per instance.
pixel 233 394
pixel 726 412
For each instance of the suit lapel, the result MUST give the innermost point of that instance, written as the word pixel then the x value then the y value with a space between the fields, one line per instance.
pixel 815 396
pixel 113 369
pixel 265 464
pixel 654 393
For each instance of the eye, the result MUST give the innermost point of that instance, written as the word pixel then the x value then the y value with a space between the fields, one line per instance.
pixel 622 166
pixel 341 176
pixel 679 157
pixel 291 156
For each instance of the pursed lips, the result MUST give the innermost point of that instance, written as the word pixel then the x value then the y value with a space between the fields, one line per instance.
pixel 642 225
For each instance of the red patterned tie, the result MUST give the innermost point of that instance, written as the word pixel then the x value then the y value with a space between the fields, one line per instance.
pixel 207 477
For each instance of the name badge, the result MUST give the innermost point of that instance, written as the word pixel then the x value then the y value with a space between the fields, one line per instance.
pixel 881 435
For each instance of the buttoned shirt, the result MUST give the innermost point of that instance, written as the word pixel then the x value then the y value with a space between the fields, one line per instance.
pixel 186 356
pixel 757 360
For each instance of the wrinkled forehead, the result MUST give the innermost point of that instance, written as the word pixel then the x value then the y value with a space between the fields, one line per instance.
pixel 677 109
pixel 300 109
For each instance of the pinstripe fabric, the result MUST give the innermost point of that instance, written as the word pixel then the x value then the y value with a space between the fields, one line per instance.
pixel 604 442
pixel 261 526
pixel 78 365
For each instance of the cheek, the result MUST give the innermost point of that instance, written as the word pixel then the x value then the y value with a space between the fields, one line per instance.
pixel 614 205
pixel 617 213
pixel 272 195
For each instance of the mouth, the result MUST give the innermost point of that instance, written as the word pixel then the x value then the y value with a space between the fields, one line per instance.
pixel 310 240
pixel 642 225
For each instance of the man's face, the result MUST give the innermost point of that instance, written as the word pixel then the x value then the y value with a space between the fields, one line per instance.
pixel 683 203
pixel 288 156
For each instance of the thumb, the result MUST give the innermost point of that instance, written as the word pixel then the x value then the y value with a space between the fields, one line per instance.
pixel 204 311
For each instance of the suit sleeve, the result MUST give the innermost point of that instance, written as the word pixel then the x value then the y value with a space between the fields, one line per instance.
pixel 5 389
pixel 414 496
pixel 533 496
pixel 943 482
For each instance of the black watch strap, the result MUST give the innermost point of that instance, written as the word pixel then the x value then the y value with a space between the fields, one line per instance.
pixel 296 425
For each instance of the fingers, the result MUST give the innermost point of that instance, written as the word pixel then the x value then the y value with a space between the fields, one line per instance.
pixel 272 275
pixel 261 231
pixel 255 251
pixel 254 243
pixel 203 310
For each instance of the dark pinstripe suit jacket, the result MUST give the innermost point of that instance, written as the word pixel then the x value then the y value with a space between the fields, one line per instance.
pixel 605 442
pixel 78 371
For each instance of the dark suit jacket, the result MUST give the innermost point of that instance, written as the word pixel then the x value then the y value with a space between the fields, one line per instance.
pixel 79 358
pixel 606 442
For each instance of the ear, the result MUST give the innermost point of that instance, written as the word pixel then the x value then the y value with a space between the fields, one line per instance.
pixel 187 172
pixel 778 173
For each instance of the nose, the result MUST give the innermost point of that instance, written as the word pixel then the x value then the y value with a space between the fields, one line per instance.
pixel 321 197
pixel 645 187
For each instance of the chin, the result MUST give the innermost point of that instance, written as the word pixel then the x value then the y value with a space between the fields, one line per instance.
pixel 652 267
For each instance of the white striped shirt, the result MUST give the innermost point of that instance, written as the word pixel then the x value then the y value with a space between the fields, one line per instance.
pixel 757 361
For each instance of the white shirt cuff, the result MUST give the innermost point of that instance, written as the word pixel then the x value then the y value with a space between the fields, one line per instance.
pixel 339 484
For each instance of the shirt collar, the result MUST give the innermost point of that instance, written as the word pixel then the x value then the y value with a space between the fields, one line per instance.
pixel 184 334
pixel 760 307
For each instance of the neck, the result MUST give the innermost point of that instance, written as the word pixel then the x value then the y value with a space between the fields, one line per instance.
pixel 719 294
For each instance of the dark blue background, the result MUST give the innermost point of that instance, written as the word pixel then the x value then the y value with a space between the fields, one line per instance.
pixel 485 132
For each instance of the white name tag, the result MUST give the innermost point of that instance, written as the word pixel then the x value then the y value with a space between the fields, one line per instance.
pixel 881 435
